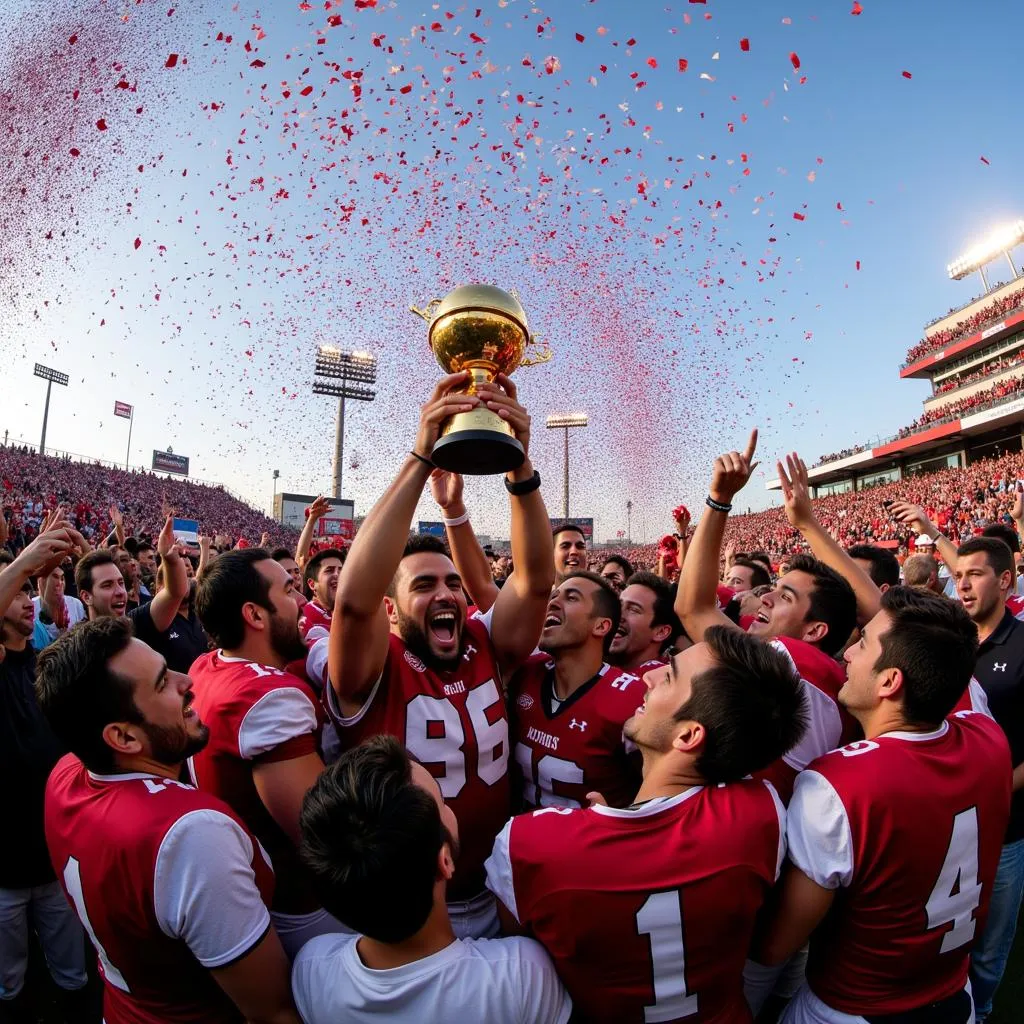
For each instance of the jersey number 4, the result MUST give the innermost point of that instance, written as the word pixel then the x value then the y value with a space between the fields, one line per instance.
pixel 434 735
pixel 661 920
pixel 957 891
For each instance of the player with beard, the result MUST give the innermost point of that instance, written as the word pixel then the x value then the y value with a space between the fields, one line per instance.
pixel 568 705
pixel 169 883
pixel 648 910
pixel 809 615
pixel 320 575
pixel 404 659
pixel 264 724
pixel 570 550
pixel 648 624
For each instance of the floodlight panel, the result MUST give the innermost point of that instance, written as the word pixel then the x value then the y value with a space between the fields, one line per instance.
pixel 567 419
pixel 1002 239
pixel 343 390
pixel 55 376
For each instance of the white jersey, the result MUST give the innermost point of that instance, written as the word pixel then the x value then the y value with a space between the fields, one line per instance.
pixel 76 614
pixel 500 981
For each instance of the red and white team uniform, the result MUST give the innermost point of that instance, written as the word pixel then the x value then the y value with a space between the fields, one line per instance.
pixel 314 617
pixel 255 714
pixel 647 912
pixel 455 723
pixel 910 826
pixel 1016 605
pixel 828 724
pixel 973 699
pixel 167 882
pixel 579 748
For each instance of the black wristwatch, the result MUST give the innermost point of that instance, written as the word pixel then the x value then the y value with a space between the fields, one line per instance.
pixel 527 486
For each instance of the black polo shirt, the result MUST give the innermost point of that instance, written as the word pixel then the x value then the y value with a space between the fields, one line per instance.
pixel 180 644
pixel 1000 670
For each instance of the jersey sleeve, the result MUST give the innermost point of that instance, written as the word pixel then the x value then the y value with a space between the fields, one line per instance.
pixel 204 888
pixel 818 832
pixel 316 661
pixel 280 726
pixel 543 995
pixel 499 870
pixel 486 619
pixel 780 810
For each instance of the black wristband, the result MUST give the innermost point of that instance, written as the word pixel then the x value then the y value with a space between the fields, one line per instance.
pixel 716 505
pixel 527 486
pixel 423 459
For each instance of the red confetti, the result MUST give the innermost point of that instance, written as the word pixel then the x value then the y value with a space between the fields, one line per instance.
pixel 857 9
pixel 172 61
pixel 794 60
pixel 799 216
pixel 683 63
pixel 138 242
pixel 651 62
pixel 307 90
pixel 858 264
pixel 101 124
pixel 405 89
pixel 579 37
pixel 984 160
pixel 78 152
pixel 745 45
pixel 72 40
pixel 907 74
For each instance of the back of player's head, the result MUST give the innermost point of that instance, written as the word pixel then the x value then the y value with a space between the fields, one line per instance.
pixel 280 554
pixel 1004 532
pixel 759 575
pixel 228 583
pixel 919 569
pixel 751 704
pixel 606 601
pixel 832 601
pixel 371 839
pixel 417 544
pixel 934 643
pixel 883 568
pixel 80 695
pixel 86 565
pixel 998 556
pixel 664 601
pixel 763 557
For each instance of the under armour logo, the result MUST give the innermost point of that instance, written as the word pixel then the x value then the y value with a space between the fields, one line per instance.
pixel 578 725
pixel 173 636
pixel 996 667
pixel 470 650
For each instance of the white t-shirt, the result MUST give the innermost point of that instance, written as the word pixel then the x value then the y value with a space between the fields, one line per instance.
pixel 500 981
pixel 76 613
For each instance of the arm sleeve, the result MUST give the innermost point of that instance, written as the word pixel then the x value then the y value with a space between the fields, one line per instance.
pixel 818 832
pixel 499 870
pixel 204 889
pixel 544 998
pixel 280 726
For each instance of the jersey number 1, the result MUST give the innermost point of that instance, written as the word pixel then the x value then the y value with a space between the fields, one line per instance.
pixel 957 891
pixel 661 918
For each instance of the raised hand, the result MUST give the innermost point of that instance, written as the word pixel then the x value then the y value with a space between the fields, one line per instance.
pixel 913 516
pixel 796 491
pixel 319 508
pixel 165 543
pixel 732 471
pixel 443 403
pixel 501 397
pixel 45 553
pixel 115 516
pixel 446 489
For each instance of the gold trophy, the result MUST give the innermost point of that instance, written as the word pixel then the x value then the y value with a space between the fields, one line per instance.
pixel 482 329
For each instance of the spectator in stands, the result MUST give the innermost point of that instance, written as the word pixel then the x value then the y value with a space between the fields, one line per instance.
pixel 922 571
pixel 878 563
pixel 616 570
pixel 54 610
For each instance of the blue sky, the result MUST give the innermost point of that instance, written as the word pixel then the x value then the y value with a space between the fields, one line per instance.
pixel 683 299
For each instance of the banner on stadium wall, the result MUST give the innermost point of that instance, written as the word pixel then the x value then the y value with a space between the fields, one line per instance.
pixel 585 525
pixel 123 409
pixel 187 531
pixel 168 462
pixel 290 509
pixel 430 527
pixel 332 526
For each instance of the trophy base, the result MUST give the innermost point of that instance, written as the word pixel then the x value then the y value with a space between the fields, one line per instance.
pixel 478 452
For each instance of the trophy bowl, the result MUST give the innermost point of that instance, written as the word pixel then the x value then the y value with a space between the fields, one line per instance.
pixel 483 330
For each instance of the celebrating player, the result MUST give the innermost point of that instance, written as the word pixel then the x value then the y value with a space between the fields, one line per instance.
pixel 648 910
pixel 648 624
pixel 403 657
pixel 320 574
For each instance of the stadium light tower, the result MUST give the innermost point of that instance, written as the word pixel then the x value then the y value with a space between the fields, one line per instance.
pixel 51 377
pixel 566 421
pixel 1000 242
pixel 343 375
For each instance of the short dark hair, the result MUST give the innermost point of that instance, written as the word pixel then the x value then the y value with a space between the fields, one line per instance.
pixel 934 643
pixel 751 705
pixel 144 545
pixel 79 694
pixel 279 554
pixel 370 839
pixel 759 575
pixel 311 570
pixel 832 601
pixel 1005 533
pixel 664 601
pixel 622 562
pixel 417 544
pixel 607 604
pixel 884 566
pixel 568 528
pixel 86 564
pixel 996 552
pixel 5 557
pixel 761 556
pixel 228 582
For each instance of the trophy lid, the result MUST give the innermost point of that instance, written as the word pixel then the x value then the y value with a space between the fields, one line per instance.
pixel 482 296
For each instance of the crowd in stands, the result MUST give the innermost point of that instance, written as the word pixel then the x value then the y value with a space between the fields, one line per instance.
pixel 965 406
pixel 990 368
pixel 976 322
pixel 844 454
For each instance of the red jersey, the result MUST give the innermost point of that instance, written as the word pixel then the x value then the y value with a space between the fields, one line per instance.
pixel 900 935
pixel 647 912
pixel 453 722
pixel 828 723
pixel 255 714
pixel 563 755
pixel 166 881
pixel 313 615
pixel 1016 605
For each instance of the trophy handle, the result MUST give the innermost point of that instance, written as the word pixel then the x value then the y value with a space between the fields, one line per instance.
pixel 428 311
pixel 542 353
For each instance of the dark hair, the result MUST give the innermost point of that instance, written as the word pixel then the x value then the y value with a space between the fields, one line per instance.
pixel 832 601
pixel 5 557
pixel 144 545
pixel 417 544
pixel 751 705
pixel 279 554
pixel 622 562
pixel 664 601
pixel 761 556
pixel 370 839
pixel 1005 533
pixel 933 642
pixel 311 570
pixel 79 694
pixel 230 581
pixel 997 554
pixel 759 575
pixel 86 564
pixel 884 566
pixel 607 604
pixel 568 528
